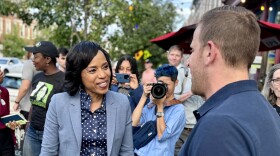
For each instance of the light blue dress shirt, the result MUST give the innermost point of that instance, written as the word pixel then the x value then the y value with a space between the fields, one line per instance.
pixel 174 117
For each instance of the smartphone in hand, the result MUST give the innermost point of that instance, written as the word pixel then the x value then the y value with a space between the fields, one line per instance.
pixel 122 78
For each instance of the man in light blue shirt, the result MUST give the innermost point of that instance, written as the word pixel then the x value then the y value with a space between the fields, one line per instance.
pixel 170 117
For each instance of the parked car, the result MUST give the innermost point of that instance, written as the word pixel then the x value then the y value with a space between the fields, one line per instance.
pixel 12 81
pixel 11 65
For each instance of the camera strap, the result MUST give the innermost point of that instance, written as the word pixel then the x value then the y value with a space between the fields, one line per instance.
pixel 172 102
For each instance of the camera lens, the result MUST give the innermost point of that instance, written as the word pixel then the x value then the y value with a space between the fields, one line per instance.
pixel 126 76
pixel 158 90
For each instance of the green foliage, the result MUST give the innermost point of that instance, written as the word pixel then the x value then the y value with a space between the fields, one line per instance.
pixel 108 22
pixel 13 44
pixel 148 19
pixel 72 21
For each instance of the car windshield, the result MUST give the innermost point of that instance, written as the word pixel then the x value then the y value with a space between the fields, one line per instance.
pixel 11 82
pixel 3 61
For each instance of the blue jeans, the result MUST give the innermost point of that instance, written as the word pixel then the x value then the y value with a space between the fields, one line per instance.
pixel 32 142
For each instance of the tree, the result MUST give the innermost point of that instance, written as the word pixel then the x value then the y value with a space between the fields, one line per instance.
pixel 73 20
pixel 13 44
pixel 140 22
pixel 122 26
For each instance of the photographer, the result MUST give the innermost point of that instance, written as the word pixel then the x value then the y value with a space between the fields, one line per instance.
pixel 163 109
pixel 127 65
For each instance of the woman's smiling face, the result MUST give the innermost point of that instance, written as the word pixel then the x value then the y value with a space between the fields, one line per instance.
pixel 96 77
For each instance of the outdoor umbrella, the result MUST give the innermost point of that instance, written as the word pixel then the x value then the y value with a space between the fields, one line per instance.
pixel 182 37
pixel 270 37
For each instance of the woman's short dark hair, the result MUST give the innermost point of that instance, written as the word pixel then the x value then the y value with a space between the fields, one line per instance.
pixel 132 62
pixel 78 59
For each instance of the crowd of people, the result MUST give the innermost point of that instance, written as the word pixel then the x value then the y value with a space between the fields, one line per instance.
pixel 76 104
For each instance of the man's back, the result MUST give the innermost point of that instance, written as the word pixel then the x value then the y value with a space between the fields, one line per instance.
pixel 237 120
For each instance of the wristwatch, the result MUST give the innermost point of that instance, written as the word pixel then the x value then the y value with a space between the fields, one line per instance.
pixel 160 114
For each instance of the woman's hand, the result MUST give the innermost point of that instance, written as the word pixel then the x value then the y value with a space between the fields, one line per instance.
pixel 114 80
pixel 133 81
pixel 12 125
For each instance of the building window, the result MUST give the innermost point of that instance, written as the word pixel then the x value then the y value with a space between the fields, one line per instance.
pixel 1 25
pixel 8 26
pixel 34 33
pixel 22 34
pixel 28 32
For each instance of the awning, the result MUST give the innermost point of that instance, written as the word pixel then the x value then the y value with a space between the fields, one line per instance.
pixel 182 37
pixel 270 37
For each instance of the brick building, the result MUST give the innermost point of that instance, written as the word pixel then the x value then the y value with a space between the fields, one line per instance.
pixel 26 32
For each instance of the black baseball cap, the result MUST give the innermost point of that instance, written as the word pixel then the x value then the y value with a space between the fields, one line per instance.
pixel 45 47
pixel 148 61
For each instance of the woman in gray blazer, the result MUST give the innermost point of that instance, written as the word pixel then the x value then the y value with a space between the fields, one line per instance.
pixel 88 119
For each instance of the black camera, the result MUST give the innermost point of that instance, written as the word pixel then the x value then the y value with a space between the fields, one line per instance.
pixel 159 90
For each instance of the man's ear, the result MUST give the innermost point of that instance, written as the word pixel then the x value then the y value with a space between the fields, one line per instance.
pixel 211 52
pixel 49 59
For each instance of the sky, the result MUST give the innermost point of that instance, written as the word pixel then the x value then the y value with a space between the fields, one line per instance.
pixel 184 10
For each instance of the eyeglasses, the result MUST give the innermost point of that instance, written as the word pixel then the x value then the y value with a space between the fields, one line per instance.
pixel 276 81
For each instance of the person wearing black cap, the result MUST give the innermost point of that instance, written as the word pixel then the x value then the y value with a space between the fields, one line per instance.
pixel 44 85
pixel 148 74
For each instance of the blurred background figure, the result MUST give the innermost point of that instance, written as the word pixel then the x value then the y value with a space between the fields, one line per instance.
pixel 114 65
pixel 128 65
pixel 22 101
pixel 7 138
pixel 271 88
pixel 148 74
pixel 175 56
pixel 61 59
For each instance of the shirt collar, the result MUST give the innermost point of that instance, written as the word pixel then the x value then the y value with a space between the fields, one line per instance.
pixel 222 94
pixel 86 101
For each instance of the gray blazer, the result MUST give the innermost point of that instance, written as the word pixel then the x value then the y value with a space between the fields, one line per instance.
pixel 63 130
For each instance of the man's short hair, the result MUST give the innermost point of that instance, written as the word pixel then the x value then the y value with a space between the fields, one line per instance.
pixel 63 51
pixel 176 47
pixel 235 31
pixel 167 70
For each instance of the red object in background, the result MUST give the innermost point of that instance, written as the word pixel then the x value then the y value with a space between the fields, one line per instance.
pixel 270 37
pixel 182 37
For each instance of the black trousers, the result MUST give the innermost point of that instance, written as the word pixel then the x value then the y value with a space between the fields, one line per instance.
pixel 25 114
pixel 7 147
pixel 183 137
